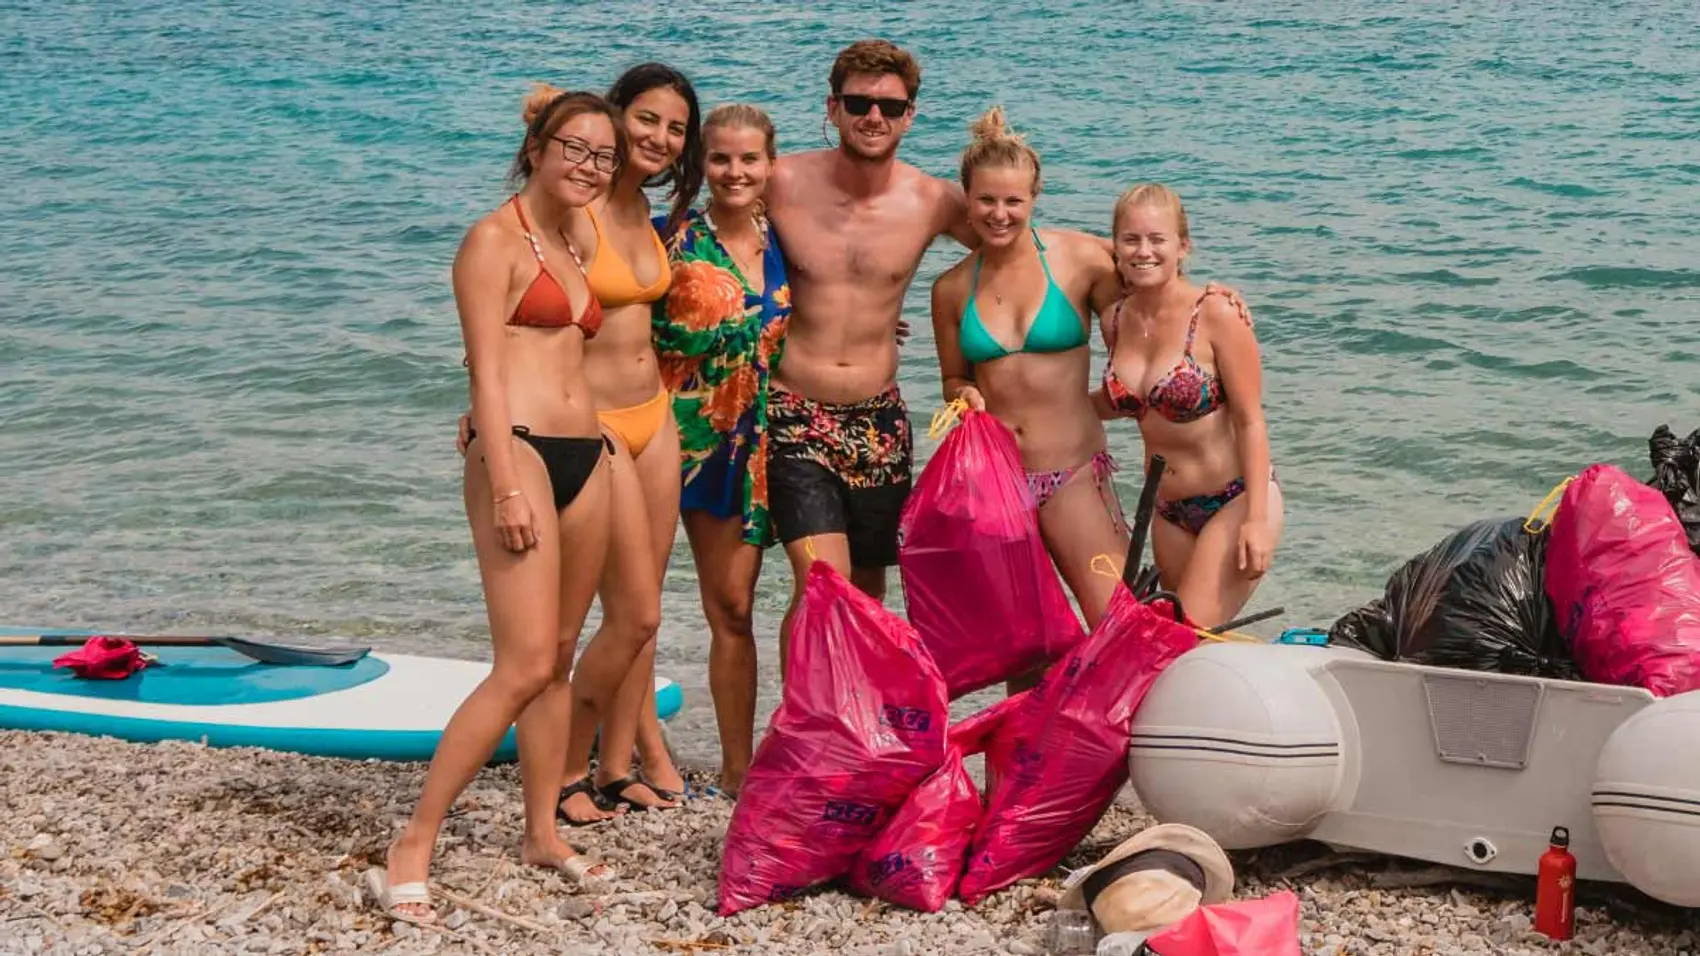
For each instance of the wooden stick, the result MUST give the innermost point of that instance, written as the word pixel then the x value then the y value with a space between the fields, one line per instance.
pixel 263 906
pixel 40 913
pixel 685 945
pixel 201 913
pixel 494 913
pixel 494 871
pixel 479 945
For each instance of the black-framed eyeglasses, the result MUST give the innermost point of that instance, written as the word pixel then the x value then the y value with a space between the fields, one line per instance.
pixel 577 151
pixel 891 107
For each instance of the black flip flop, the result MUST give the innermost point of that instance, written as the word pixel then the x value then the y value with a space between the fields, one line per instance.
pixel 584 786
pixel 666 794
pixel 610 796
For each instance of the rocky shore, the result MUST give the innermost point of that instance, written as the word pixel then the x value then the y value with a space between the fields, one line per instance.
pixel 111 847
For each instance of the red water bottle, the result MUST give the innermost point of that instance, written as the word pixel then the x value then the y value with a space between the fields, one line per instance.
pixel 1555 889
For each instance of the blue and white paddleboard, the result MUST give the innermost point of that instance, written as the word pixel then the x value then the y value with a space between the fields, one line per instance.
pixel 384 706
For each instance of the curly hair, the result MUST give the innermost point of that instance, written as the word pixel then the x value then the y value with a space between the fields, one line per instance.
pixel 876 56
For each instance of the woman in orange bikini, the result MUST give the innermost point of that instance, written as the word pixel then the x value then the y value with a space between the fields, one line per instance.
pixel 1035 287
pixel 536 490
pixel 628 271
pixel 627 268
pixel 1189 355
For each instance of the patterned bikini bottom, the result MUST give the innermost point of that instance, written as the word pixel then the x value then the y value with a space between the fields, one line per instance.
pixel 1195 511
pixel 1045 484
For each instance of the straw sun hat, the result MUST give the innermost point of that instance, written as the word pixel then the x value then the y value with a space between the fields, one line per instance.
pixel 1156 878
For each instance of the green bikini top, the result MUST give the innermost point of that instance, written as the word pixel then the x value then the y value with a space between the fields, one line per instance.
pixel 1056 327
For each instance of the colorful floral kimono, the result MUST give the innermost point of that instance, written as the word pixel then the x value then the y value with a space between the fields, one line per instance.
pixel 718 340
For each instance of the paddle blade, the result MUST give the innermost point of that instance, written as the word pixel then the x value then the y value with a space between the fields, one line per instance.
pixel 297 656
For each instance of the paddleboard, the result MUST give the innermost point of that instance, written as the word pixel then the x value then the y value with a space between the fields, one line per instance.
pixel 382 707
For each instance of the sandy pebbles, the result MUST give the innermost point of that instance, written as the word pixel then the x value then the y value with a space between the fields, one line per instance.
pixel 174 848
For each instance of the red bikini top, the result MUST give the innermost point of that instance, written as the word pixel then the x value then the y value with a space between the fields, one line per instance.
pixel 545 304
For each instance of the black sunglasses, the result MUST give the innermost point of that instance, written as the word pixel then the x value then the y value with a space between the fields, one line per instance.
pixel 858 105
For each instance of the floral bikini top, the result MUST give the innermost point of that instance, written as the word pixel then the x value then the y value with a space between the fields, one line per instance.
pixel 1188 392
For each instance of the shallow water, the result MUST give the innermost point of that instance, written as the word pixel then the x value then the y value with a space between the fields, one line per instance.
pixel 230 365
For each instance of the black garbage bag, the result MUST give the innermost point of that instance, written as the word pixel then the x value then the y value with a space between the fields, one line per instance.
pixel 1676 474
pixel 1477 601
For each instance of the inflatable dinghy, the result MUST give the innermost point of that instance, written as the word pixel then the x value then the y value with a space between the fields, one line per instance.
pixel 382 706
pixel 1258 744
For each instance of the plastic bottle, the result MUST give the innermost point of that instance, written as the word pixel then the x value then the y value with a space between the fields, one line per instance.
pixel 1555 888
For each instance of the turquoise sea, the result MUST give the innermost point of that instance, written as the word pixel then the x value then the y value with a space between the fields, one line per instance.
pixel 230 365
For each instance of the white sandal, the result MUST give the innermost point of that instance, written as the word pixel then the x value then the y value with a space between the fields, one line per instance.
pixel 390 897
pixel 577 869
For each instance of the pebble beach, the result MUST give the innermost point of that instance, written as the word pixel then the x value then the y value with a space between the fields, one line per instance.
pixel 232 371
pixel 114 847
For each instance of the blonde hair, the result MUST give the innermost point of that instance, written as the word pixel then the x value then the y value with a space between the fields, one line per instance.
pixel 995 144
pixel 1152 194
pixel 742 116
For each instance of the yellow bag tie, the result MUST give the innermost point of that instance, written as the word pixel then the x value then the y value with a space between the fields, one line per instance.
pixel 946 417
pixel 1229 636
pixel 1535 523
pixel 809 548
pixel 1109 562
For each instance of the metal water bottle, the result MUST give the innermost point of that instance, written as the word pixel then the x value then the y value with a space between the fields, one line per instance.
pixel 1555 888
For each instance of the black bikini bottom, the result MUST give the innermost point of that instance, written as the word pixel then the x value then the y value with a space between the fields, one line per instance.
pixel 569 461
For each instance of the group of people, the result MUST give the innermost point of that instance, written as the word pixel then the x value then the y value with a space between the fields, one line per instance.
pixel 734 364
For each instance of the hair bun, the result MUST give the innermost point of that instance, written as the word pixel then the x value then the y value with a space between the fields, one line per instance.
pixel 541 95
pixel 991 127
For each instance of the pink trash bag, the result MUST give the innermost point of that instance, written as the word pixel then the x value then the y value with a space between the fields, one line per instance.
pixel 1265 927
pixel 1624 585
pixel 918 857
pixel 978 582
pixel 862 722
pixel 1055 762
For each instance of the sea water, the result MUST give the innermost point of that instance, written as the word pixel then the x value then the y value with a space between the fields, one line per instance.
pixel 230 361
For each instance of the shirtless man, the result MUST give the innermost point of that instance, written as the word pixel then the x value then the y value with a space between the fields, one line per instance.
pixel 854 223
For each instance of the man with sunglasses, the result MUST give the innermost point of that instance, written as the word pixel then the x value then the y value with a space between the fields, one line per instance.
pixel 853 222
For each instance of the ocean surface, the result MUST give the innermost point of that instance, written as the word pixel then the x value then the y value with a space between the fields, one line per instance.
pixel 230 363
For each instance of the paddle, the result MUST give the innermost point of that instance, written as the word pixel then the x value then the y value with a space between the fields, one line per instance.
pixel 1142 522
pixel 265 653
pixel 1239 622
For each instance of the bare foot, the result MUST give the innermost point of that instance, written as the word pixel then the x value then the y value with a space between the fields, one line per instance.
pixel 579 806
pixel 731 781
pixel 408 860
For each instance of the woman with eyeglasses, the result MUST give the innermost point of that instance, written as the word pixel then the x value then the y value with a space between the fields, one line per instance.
pixel 537 476
pixel 626 264
pixel 1010 323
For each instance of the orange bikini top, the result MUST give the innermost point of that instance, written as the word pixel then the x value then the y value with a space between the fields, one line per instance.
pixel 545 304
pixel 611 279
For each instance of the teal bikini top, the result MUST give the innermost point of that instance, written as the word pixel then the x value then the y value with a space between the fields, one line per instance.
pixel 1056 328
